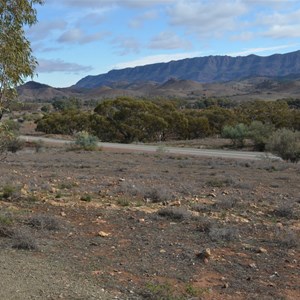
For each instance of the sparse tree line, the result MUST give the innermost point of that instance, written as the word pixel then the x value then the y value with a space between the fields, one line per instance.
pixel 129 120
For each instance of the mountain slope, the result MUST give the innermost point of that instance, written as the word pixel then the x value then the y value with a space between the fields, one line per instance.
pixel 202 69
pixel 33 91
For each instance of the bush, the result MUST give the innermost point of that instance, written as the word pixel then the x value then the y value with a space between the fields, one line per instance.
pixel 225 234
pixel 86 141
pixel 24 240
pixel 287 239
pixel 5 137
pixel 158 194
pixel 86 198
pixel 259 133
pixel 285 210
pixel 237 134
pixel 286 144
pixel 175 213
pixel 38 145
pixel 10 192
pixel 15 144
pixel 44 222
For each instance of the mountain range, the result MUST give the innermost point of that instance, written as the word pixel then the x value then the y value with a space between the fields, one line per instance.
pixel 252 76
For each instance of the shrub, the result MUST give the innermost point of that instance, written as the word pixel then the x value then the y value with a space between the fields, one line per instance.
pixel 5 220
pixel 5 137
pixel 285 210
pixel 175 213
pixel 86 141
pixel 24 240
pixel 237 134
pixel 287 239
pixel 38 146
pixel 226 234
pixel 158 194
pixel 44 222
pixel 204 224
pixel 15 144
pixel 259 133
pixel 286 144
pixel 86 198
pixel 9 192
pixel 123 202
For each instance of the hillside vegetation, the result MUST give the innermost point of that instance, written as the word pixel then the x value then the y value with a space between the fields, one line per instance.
pixel 128 120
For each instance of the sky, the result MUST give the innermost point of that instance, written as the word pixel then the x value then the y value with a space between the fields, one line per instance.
pixel 77 38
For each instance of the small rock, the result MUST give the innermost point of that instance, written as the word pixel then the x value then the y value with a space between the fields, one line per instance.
pixel 63 214
pixel 274 275
pixel 141 220
pixel 212 195
pixel 103 234
pixel 261 250
pixel 253 266
pixel 205 254
pixel 226 285
pixel 175 203
pixel 279 225
pixel 121 179
pixel 162 251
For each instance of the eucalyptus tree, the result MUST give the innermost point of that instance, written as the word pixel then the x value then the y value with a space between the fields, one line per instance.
pixel 16 59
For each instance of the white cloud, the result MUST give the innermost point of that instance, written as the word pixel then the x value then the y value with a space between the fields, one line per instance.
pixel 91 19
pixel 283 31
pixel 281 25
pixel 42 30
pixel 169 40
pixel 78 36
pixel 206 18
pixel 126 45
pixel 243 36
pixel 147 60
pixel 58 65
pixel 105 3
pixel 261 50
pixel 139 21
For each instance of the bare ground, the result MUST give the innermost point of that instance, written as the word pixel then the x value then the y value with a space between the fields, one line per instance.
pixel 104 225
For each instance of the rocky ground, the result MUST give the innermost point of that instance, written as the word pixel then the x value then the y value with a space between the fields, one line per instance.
pixel 112 225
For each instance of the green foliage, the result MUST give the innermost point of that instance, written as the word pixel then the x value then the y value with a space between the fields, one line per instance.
pixel 16 60
pixel 71 103
pixel 9 191
pixel 209 102
pixel 293 103
pixel 12 125
pixel 237 134
pixel 86 141
pixel 86 198
pixel 66 122
pixel 130 120
pixel 5 220
pixel 267 112
pixel 15 145
pixel 218 118
pixel 260 133
pixel 38 145
pixel 6 137
pixel 286 144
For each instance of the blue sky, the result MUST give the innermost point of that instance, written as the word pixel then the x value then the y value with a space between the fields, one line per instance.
pixel 76 38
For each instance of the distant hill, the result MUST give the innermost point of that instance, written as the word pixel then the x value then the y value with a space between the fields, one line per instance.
pixel 240 78
pixel 208 69
pixel 37 91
